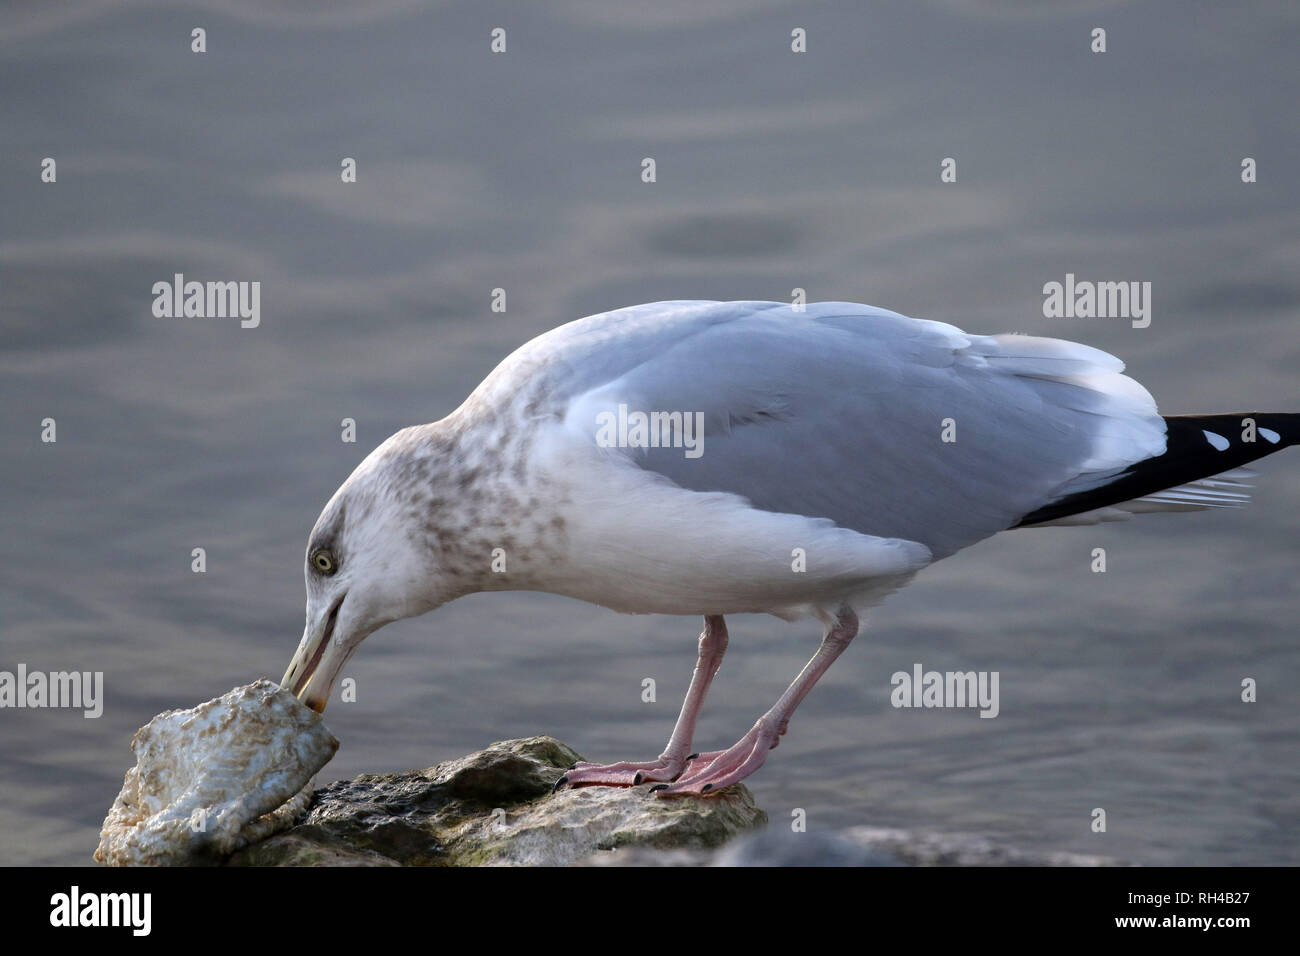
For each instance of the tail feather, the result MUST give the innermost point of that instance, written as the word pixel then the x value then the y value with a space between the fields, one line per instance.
pixel 1199 449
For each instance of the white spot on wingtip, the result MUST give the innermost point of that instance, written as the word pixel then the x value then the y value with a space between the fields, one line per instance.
pixel 1218 441
pixel 1271 435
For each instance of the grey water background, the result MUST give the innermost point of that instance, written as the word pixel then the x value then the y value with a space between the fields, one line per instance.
pixel 522 171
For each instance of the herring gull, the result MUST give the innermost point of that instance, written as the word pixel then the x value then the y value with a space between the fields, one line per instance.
pixel 714 458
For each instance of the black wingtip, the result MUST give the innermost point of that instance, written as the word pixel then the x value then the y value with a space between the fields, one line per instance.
pixel 1196 446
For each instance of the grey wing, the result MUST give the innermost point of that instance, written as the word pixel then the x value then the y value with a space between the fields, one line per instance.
pixel 891 426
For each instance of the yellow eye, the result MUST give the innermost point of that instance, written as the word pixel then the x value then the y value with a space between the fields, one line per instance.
pixel 323 560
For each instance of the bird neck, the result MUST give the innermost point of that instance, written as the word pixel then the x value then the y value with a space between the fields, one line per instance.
pixel 484 511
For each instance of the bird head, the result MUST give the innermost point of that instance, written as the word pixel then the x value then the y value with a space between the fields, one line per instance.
pixel 371 560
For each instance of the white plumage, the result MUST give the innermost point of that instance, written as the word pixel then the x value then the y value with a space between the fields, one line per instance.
pixel 839 449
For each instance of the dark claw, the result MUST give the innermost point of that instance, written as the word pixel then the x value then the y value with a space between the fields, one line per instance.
pixel 693 756
pixel 559 783
pixel 659 786
pixel 706 788
pixel 636 781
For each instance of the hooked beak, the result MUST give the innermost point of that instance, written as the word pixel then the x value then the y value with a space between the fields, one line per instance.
pixel 317 662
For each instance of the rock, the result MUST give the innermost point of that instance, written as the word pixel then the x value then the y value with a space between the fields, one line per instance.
pixel 212 779
pixel 496 808
pixel 291 850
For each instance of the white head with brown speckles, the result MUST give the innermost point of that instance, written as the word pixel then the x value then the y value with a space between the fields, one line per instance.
pixel 373 557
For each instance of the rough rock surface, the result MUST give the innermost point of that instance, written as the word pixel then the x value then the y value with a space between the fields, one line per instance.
pixel 496 808
pixel 212 779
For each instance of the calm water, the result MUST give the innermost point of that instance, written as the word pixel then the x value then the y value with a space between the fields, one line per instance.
pixel 521 171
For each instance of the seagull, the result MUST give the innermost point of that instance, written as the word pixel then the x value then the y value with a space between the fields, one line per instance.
pixel 714 458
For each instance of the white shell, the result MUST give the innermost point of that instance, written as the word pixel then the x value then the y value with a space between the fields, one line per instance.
pixel 207 780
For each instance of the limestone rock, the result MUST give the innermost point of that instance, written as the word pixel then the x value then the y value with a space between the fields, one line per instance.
pixel 214 778
pixel 496 808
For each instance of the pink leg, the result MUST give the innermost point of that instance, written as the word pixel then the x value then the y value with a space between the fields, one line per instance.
pixel 713 644
pixel 713 771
